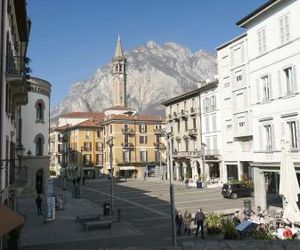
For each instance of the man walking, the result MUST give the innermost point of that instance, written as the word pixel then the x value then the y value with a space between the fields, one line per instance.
pixel 199 219
pixel 39 202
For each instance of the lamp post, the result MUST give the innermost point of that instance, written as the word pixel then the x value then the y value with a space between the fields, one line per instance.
pixel 167 132
pixel 110 143
pixel 81 173
pixel 203 145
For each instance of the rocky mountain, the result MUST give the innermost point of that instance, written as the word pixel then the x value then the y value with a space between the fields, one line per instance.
pixel 154 73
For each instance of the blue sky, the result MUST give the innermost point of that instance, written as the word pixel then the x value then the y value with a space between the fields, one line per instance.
pixel 70 39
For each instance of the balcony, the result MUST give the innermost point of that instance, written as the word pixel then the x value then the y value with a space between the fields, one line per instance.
pixel 175 116
pixel 127 145
pixel 158 131
pixel 193 132
pixel 187 154
pixel 192 111
pixel 128 131
pixel 184 114
pixel 210 152
pixel 17 74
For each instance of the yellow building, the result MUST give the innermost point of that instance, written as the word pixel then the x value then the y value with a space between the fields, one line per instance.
pixel 136 146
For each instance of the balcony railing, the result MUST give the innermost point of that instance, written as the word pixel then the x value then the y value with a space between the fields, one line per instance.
pixel 192 111
pixel 129 131
pixel 183 114
pixel 127 145
pixel 187 154
pixel 193 132
pixel 16 65
pixel 212 152
pixel 158 131
pixel 175 115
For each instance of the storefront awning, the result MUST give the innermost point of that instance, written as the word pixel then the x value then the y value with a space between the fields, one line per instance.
pixel 127 168
pixel 9 220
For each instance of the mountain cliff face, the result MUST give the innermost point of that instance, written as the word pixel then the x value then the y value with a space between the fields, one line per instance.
pixel 154 73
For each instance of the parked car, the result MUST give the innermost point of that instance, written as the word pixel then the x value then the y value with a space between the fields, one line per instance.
pixel 236 190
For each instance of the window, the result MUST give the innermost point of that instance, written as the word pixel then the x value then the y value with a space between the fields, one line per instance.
pixel 213 103
pixel 238 77
pixel 40 107
pixel 86 159
pixel 226 84
pixel 290 80
pixel 99 159
pixel 186 125
pixel 293 134
pixel 184 105
pixel 266 88
pixel 177 107
pixel 214 122
pixel 206 104
pixel 143 139
pixel 194 123
pixel 98 134
pixel 99 146
pixel 87 146
pixel 87 135
pixel 193 103
pixel 269 137
pixel 284 29
pixel 178 127
pixel 262 47
pixel 186 145
pixel 39 144
pixel 143 128
pixel 126 156
pixel 143 155
pixel 207 123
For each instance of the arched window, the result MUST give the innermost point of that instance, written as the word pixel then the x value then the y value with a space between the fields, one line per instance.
pixel 39 144
pixel 40 108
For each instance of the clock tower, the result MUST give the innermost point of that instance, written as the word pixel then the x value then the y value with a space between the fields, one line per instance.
pixel 119 76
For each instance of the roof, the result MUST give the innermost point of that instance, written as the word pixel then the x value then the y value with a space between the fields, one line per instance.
pixel 93 122
pixel 190 94
pixel 242 22
pixel 83 115
pixel 140 118
pixel 231 41
pixel 118 108
pixel 119 50
pixel 9 220
pixel 61 128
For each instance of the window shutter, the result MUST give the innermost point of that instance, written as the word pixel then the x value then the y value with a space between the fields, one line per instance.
pixel 270 86
pixel 283 137
pixel 298 133
pixel 273 137
pixel 145 128
pixel 280 90
pixel 141 156
pixel 145 139
pixel 146 156
pixel 260 142
pixel 257 91
pixel 295 84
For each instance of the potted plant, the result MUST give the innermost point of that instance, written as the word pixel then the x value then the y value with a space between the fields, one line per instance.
pixel 229 230
pixel 213 223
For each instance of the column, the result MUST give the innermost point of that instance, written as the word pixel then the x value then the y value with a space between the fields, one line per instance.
pixel 194 171
pixel 260 193
pixel 239 170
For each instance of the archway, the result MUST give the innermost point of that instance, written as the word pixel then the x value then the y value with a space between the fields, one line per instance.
pixel 188 173
pixel 39 182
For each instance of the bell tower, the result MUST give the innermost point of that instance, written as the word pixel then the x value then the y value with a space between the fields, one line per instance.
pixel 119 76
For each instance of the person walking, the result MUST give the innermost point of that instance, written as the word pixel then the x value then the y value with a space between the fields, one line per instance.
pixel 39 202
pixel 187 219
pixel 186 182
pixel 178 222
pixel 199 219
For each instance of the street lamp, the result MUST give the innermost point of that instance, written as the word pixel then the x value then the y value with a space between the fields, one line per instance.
pixel 81 173
pixel 110 143
pixel 167 132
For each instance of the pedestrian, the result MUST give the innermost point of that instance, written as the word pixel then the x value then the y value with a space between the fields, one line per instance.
pixel 199 220
pixel 74 181
pixel 187 219
pixel 178 222
pixel 145 176
pixel 39 202
pixel 186 183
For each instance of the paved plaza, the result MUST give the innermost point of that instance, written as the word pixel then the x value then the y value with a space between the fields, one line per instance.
pixel 145 211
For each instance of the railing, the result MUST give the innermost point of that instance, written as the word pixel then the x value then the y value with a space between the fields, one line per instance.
pixel 127 130
pixel 192 111
pixel 158 131
pixel 193 132
pixel 183 114
pixel 16 65
pixel 127 145
pixel 212 152
pixel 187 154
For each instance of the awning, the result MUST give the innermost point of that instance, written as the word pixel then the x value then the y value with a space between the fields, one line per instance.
pixel 127 168
pixel 9 220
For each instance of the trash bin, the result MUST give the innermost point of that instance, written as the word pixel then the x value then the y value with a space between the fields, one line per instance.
pixel 247 206
pixel 199 184
pixel 106 208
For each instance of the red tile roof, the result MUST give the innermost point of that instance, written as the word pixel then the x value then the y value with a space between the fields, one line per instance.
pixel 83 115
pixel 94 122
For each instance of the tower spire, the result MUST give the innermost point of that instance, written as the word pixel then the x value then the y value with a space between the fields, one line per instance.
pixel 119 50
